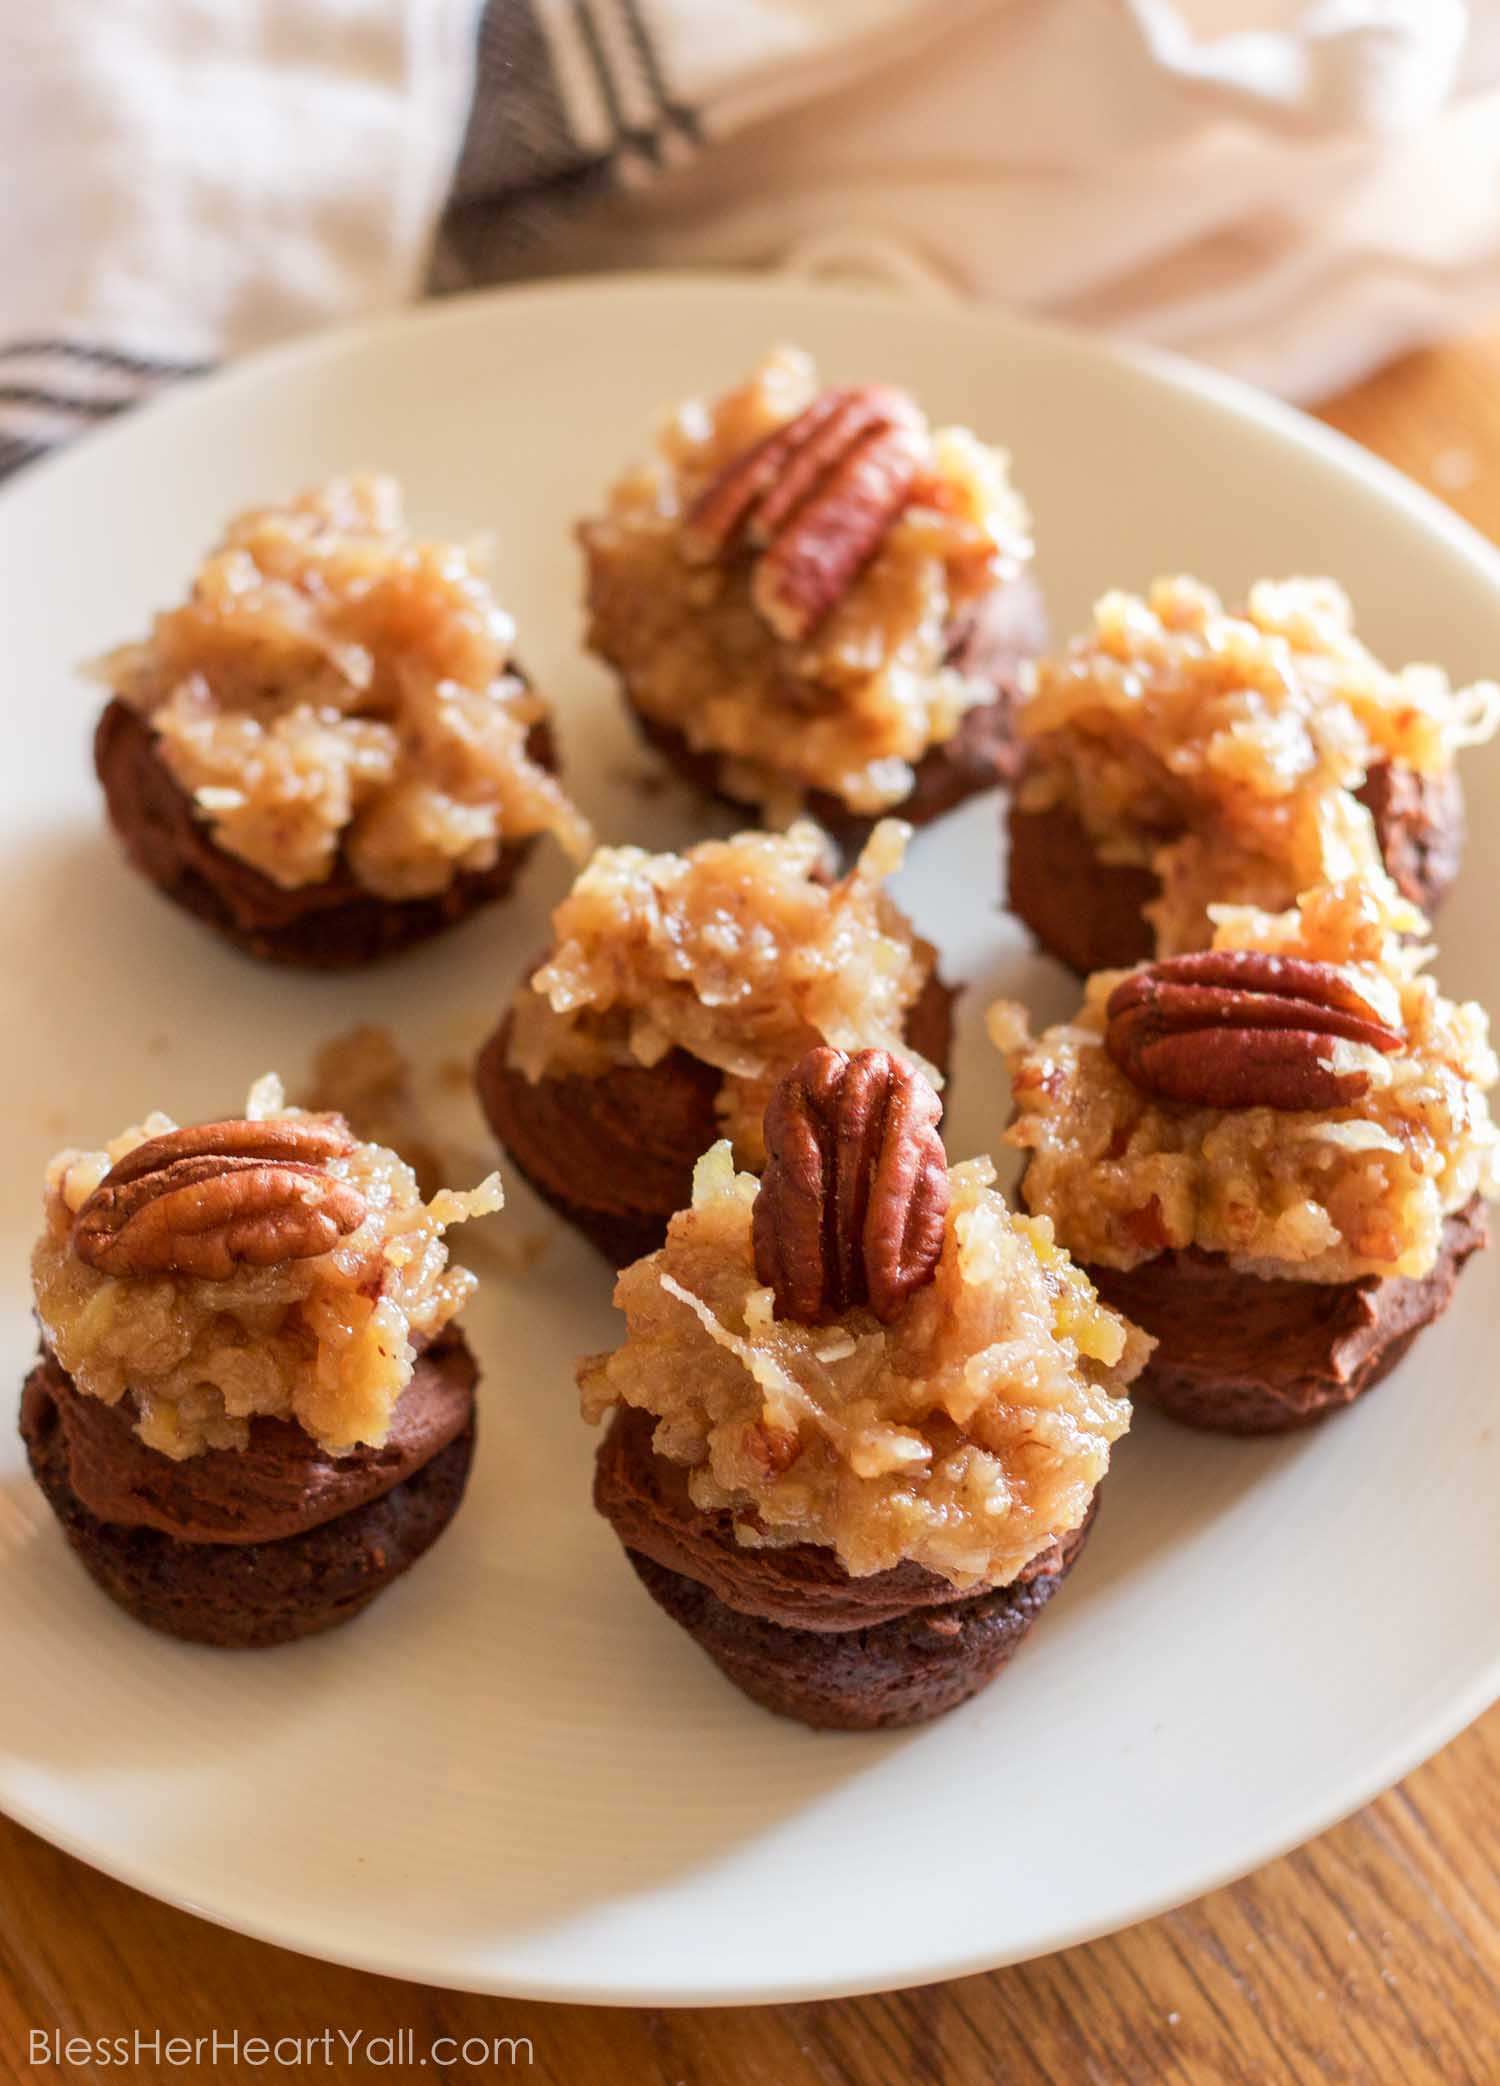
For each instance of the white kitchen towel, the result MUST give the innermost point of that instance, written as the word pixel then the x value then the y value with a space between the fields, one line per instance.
pixel 186 179
pixel 1292 189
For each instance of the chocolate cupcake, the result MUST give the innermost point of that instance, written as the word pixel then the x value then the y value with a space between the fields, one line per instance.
pixel 252 1410
pixel 677 991
pixel 328 751
pixel 1273 1155
pixel 861 1410
pixel 816 601
pixel 1179 756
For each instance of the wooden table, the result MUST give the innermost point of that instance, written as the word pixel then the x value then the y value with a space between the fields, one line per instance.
pixel 1372 1956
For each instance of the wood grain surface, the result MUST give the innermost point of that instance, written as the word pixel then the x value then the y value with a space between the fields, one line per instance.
pixel 1372 1956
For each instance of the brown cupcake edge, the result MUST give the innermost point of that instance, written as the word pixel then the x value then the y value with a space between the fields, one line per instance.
pixel 1090 914
pixel 1240 1354
pixel 332 925
pixel 614 1155
pixel 282 1483
pixel 885 1653
pixel 247 1595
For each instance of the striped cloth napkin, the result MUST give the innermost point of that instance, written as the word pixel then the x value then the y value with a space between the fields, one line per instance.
pixel 1292 189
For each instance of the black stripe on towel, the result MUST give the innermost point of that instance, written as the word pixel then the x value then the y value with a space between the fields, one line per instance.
pixel 16 450
pixel 47 374
pixel 677 113
pixel 97 356
pixel 518 135
pixel 62 401
pixel 627 135
pixel 523 175
pixel 522 172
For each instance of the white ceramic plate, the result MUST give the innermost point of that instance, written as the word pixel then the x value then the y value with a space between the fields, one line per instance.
pixel 515 1774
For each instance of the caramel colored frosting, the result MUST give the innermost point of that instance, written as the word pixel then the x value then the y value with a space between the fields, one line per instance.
pixel 852 707
pixel 1325 1195
pixel 328 1341
pixel 335 689
pixel 965 1437
pixel 1221 751
pixel 742 952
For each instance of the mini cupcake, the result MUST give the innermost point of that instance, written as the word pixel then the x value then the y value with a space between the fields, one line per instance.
pixel 1272 1154
pixel 252 1410
pixel 1179 756
pixel 861 1410
pixel 816 601
pixel 677 991
pixel 328 751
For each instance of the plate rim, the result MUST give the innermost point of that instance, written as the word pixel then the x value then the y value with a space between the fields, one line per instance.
pixel 813 1990
pixel 1166 366
pixel 1172 372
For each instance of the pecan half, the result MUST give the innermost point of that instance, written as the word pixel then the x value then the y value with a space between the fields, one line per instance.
pixel 814 499
pixel 855 1188
pixel 215 1197
pixel 1235 1028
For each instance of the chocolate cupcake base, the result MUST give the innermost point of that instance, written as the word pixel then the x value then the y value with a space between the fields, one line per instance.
pixel 1240 1355
pixel 332 925
pixel 229 1589
pixel 993 646
pixel 614 1155
pixel 1091 914
pixel 790 1627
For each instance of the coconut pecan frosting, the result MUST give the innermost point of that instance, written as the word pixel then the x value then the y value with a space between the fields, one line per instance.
pixel 742 952
pixel 337 693
pixel 867 1349
pixel 1301 1099
pixel 785 582
pixel 265 1265
pixel 1222 749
